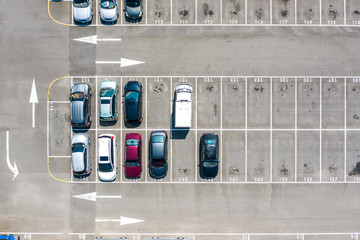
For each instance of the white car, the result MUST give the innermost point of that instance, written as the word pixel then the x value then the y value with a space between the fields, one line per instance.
pixel 107 157
pixel 109 11
pixel 82 12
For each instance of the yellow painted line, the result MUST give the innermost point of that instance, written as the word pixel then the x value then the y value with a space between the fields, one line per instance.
pixel 47 158
pixel 61 23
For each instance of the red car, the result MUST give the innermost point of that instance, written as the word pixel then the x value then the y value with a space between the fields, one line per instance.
pixel 133 158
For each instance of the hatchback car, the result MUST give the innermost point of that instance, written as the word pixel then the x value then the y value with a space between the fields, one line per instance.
pixel 133 158
pixel 133 11
pixel 158 164
pixel 80 99
pixel 107 155
pixel 80 155
pixel 108 101
pixel 82 11
pixel 109 11
pixel 209 155
pixel 133 102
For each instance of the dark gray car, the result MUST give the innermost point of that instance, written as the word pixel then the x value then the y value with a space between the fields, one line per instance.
pixel 80 106
pixel 158 164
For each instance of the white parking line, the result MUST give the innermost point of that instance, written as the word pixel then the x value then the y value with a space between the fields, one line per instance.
pixel 68 102
pixel 240 129
pixel 146 12
pixel 320 12
pixel 345 137
pixel 271 128
pixel 246 123
pixel 246 10
pixel 96 130
pixel 320 134
pixel 196 130
pixel 59 156
pixel 295 11
pixel 295 171
pixel 170 133
pixel 221 126
pixel 97 12
pixel 171 11
pixel 214 76
pixel 271 10
pixel 121 125
pixel 146 131
pixel 196 18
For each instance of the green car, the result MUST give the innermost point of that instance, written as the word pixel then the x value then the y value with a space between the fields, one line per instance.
pixel 108 101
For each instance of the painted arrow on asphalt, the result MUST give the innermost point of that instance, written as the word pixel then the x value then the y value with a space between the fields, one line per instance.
pixel 14 168
pixel 93 196
pixel 33 100
pixel 122 220
pixel 123 62
pixel 94 39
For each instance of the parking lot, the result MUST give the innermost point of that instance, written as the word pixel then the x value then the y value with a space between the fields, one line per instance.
pixel 228 12
pixel 271 129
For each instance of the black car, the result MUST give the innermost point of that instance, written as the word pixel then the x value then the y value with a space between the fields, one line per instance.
pixel 158 164
pixel 133 11
pixel 133 102
pixel 209 155
pixel 80 104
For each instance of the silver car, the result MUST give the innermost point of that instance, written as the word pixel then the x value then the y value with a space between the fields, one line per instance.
pixel 80 155
pixel 109 11
pixel 82 11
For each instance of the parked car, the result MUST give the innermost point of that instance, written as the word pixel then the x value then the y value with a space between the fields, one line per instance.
pixel 80 155
pixel 9 237
pixel 80 104
pixel 82 11
pixel 133 102
pixel 133 156
pixel 158 164
pixel 107 157
pixel 108 101
pixel 133 11
pixel 109 11
pixel 209 155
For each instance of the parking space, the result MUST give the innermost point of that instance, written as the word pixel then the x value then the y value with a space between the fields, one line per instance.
pixel 283 156
pixel 208 12
pixel 308 156
pixel 272 237
pixel 208 100
pixel 258 12
pixel 256 128
pixel 283 12
pixel 134 22
pixel 183 12
pixel 159 12
pixel 308 12
pixel 332 237
pixel 332 12
pixel 258 101
pixel 233 11
pixel 352 12
pixel 308 103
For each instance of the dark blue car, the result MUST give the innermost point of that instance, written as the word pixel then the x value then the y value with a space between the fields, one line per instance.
pixel 133 102
pixel 209 155
pixel 158 164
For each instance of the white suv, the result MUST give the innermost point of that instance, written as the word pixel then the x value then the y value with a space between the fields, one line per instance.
pixel 82 11
pixel 107 161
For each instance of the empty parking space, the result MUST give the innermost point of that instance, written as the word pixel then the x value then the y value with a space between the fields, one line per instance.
pixel 283 156
pixel 308 12
pixel 332 103
pixel 308 156
pixel 308 103
pixel 352 156
pixel 332 12
pixel 60 130
pixel 352 103
pixel 233 11
pixel 352 12
pixel 159 11
pixel 183 12
pixel 283 12
pixel 258 12
pixel 233 156
pixel 332 154
pixel 208 12
pixel 208 100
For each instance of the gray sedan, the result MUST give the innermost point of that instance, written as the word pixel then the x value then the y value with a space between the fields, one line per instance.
pixel 158 164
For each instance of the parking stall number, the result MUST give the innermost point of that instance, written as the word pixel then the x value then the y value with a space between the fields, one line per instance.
pixel 51 107
pixel 283 21
pixel 308 22
pixel 27 236
pixel 157 80
pixel 159 21
pixel 356 80
pixel 184 21
pixel 82 236
pixel 208 80
pixel 85 80
pixel 333 179
pixel 284 80
pixel 307 80
pixel 234 80
pixel 259 179
pixel 332 80
pixel 183 179
pixel 183 80
pixel 209 21
pixel 283 179
pixel 258 80
pixel 307 179
pixel 356 179
pixel 356 22
pixel 233 21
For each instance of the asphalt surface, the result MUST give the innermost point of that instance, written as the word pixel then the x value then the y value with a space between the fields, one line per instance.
pixel 33 46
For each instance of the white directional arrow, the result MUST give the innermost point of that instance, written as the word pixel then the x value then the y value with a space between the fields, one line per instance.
pixel 92 196
pixel 94 39
pixel 14 168
pixel 122 220
pixel 123 62
pixel 33 100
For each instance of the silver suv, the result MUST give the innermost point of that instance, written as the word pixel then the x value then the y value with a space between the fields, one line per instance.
pixel 80 155
pixel 107 157
pixel 82 11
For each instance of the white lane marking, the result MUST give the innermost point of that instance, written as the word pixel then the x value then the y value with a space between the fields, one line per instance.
pixel 320 13
pixel 345 12
pixel 170 133
pixel 320 133
pixel 221 125
pixel 123 62
pixel 230 234
pixel 223 25
pixel 246 129
pixel 59 156
pixel 14 168
pixel 59 102
pixel 345 137
pixel 196 131
pixel 239 129
pixel 122 220
pixel 94 39
pixel 121 129
pixel 96 129
pixel 33 99
pixel 214 76
pixel 271 128
pixel 93 196
pixel 295 145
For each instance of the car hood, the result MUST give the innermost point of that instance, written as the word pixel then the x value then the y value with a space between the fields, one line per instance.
pixel 77 111
pixel 159 172
pixel 78 162
pixel 107 176
pixel 82 13
pixel 133 172
pixel 108 13
pixel 210 172
pixel 133 11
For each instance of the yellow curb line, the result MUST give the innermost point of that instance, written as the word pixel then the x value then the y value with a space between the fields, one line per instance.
pixel 47 158
pixel 64 24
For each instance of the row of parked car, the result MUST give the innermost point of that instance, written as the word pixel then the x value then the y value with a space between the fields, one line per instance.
pixel 158 156
pixel 109 14
pixel 80 104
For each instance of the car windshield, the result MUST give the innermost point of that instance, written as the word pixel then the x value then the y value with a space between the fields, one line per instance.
pixel 105 167
pixel 77 96
pixel 106 92
pixel 81 3
pixel 132 95
pixel 105 101
pixel 210 163
pixel 158 139
pixel 132 163
pixel 108 4
pixel 133 3
pixel 132 142
pixel 104 158
pixel 158 162
pixel 184 90
pixel 78 147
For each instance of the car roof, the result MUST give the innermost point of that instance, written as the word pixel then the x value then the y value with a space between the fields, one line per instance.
pixel 104 146
pixel 77 111
pixel 158 150
pixel 132 153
